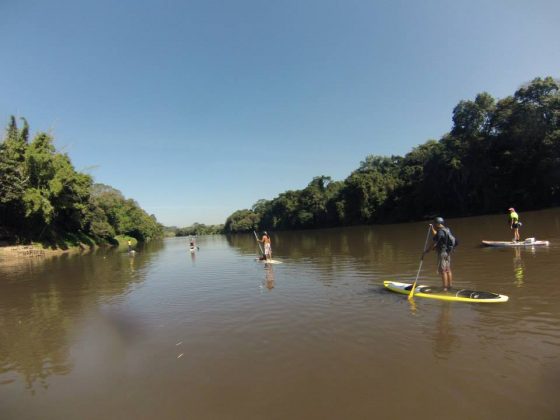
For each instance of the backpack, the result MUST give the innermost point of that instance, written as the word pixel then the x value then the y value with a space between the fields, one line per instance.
pixel 451 241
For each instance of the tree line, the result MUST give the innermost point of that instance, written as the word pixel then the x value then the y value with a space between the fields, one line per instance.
pixel 498 154
pixel 199 229
pixel 44 198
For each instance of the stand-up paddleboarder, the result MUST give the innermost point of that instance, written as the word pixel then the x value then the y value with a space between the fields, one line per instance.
pixel 267 245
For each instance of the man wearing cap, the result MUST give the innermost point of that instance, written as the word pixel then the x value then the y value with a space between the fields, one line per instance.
pixel 440 235
pixel 514 223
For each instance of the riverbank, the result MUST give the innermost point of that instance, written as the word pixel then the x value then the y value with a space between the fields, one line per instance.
pixel 37 250
pixel 40 250
pixel 12 256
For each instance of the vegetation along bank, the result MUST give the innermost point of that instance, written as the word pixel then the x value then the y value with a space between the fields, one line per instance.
pixel 498 153
pixel 44 199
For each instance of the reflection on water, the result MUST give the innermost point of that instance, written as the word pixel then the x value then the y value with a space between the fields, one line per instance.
pixel 412 306
pixel 269 276
pixel 518 267
pixel 33 338
pixel 365 244
pixel 40 308
pixel 332 251
pixel 444 339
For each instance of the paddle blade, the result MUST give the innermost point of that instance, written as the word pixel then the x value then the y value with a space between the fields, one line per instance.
pixel 411 294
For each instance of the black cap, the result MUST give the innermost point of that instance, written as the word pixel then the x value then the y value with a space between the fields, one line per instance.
pixel 439 221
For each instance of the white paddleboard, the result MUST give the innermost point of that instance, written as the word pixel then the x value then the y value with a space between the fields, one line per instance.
pixel 269 261
pixel 526 242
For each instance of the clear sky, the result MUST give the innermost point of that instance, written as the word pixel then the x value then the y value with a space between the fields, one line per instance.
pixel 197 108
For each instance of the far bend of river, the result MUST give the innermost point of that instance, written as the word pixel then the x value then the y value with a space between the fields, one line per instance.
pixel 217 335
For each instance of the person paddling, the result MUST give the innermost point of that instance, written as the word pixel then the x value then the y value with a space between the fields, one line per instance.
pixel 267 245
pixel 441 239
pixel 514 223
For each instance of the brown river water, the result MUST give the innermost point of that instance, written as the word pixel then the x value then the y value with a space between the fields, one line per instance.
pixel 217 335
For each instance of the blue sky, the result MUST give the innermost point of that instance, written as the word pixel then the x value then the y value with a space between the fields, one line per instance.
pixel 199 108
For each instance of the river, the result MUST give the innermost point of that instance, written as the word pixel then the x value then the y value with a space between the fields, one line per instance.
pixel 217 335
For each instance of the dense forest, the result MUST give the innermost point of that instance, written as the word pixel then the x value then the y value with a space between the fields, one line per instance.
pixel 498 154
pixel 43 198
pixel 199 229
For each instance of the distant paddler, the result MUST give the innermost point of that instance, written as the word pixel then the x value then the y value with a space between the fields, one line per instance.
pixel 267 245
pixel 131 251
pixel 514 223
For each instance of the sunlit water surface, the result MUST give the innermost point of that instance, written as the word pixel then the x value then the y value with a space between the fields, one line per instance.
pixel 217 335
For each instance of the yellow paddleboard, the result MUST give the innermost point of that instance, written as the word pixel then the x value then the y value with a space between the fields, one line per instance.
pixel 454 295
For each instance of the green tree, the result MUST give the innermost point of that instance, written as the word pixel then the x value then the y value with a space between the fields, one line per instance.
pixel 368 188
pixel 56 195
pixel 12 180
pixel 124 216
pixel 242 221
pixel 43 196
pixel 497 154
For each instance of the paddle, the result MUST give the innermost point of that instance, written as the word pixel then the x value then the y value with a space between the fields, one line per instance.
pixel 260 247
pixel 411 294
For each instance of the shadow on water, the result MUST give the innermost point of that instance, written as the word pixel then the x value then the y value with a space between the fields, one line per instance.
pixel 41 305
